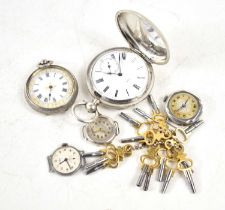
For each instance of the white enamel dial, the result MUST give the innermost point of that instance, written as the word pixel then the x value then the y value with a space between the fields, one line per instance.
pixel 66 160
pixel 120 76
pixel 51 87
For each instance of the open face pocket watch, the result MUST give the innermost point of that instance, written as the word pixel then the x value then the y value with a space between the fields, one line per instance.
pixel 121 77
pixel 51 88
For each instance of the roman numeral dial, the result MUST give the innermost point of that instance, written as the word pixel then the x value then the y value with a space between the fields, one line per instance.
pixel 51 87
pixel 120 75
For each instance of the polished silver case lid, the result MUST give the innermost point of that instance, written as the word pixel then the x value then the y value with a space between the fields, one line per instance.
pixel 143 36
pixel 179 121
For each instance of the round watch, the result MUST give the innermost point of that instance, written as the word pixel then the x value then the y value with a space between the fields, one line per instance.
pixel 98 128
pixel 65 160
pixel 121 77
pixel 51 88
pixel 183 108
pixel 101 131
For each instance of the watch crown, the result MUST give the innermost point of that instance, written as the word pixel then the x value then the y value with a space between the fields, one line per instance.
pixel 45 62
pixel 165 98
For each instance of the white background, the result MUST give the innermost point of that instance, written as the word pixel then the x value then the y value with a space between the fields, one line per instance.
pixel 71 33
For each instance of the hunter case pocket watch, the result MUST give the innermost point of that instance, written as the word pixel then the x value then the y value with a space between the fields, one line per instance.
pixel 121 77
pixel 51 88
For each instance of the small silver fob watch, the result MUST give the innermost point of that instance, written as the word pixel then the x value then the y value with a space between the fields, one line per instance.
pixel 121 77
pixel 51 88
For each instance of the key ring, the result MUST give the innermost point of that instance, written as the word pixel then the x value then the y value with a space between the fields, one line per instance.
pixel 91 107
pixel 185 164
pixel 181 134
pixel 171 164
pixel 162 153
pixel 152 162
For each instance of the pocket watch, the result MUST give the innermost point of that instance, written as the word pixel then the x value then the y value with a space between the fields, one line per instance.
pixel 121 77
pixel 66 160
pixel 51 88
pixel 183 108
pixel 98 128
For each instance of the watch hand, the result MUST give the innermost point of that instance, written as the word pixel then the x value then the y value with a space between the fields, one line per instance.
pixel 50 92
pixel 106 72
pixel 120 73
pixel 68 163
pixel 118 64
pixel 62 161
pixel 179 108
pixel 186 102
pixel 109 68
pixel 182 106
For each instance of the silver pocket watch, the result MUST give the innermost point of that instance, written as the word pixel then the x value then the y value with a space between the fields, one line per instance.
pixel 98 128
pixel 67 160
pixel 121 77
pixel 51 88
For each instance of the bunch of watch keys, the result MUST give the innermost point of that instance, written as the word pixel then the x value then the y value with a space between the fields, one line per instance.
pixel 119 78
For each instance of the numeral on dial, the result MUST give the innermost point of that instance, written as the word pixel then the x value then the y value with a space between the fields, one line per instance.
pixel 116 93
pixel 136 86
pixel 99 80
pixel 106 88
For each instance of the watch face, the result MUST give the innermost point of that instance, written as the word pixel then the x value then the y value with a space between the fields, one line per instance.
pixel 120 76
pixel 66 160
pixel 50 88
pixel 101 131
pixel 184 105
